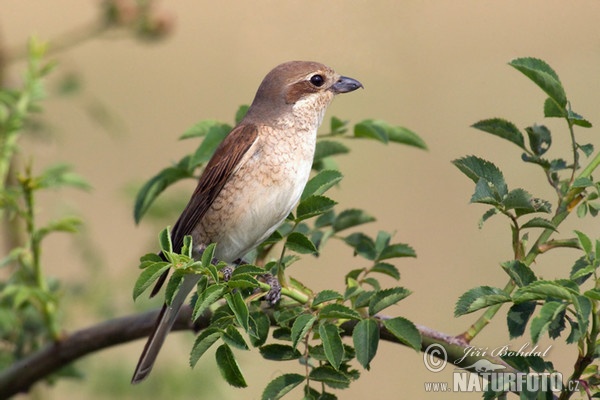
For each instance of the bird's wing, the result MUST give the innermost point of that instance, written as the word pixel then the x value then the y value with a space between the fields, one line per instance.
pixel 224 162
pixel 219 169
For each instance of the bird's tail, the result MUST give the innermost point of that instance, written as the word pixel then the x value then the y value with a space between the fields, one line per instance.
pixel 163 325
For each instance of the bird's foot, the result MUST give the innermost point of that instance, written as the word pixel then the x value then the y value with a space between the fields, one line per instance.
pixel 274 294
pixel 227 271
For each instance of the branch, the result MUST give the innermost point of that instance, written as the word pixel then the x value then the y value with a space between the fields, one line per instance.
pixel 26 372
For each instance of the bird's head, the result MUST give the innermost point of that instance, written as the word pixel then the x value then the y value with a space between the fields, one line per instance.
pixel 302 87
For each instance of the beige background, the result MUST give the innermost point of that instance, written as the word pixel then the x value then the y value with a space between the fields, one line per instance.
pixel 435 67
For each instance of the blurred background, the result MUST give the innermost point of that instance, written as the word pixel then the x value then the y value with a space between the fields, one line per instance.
pixel 434 67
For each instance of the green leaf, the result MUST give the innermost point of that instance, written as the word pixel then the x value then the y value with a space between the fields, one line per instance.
pixel 477 169
pixel 552 110
pixel 520 273
pixel 351 218
pixel 66 224
pixel 229 368
pixel 337 126
pixel 399 134
pixel 387 269
pixel 501 128
pixel 543 76
pixel 548 313
pixel 164 240
pixel 208 255
pixel 241 113
pixel 330 377
pixel 242 282
pixel 60 175
pixel 593 294
pixel 281 386
pixel 395 251
pixel 542 290
pixel 207 298
pixel 187 247
pixel 148 276
pixel 332 344
pixel 247 269
pixel 279 352
pixel 385 298
pixel 405 331
pixel 338 311
pixel 259 325
pixel 487 215
pixel 173 284
pixel 326 295
pixel 485 193
pixel 301 326
pixel 578 120
pixel 362 244
pixel 328 148
pixel 233 337
pixel 539 222
pixel 585 242
pixel 299 243
pixel 203 128
pixel 157 184
pixel 211 141
pixel 540 139
pixel 321 182
pixel 518 199
pixel 478 298
pixel 205 339
pixel 371 129
pixel 366 339
pixel 313 206
pixel 517 318
pixel 238 306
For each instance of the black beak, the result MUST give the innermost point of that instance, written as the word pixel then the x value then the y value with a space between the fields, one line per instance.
pixel 345 85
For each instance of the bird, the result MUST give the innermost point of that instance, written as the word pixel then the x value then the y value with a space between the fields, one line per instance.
pixel 254 178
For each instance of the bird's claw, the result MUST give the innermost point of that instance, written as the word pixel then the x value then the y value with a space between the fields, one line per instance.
pixel 227 271
pixel 274 294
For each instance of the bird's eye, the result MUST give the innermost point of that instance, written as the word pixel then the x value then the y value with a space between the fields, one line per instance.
pixel 317 80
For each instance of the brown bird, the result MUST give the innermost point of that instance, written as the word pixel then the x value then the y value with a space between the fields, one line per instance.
pixel 255 178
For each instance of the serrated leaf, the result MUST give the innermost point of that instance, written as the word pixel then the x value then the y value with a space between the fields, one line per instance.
pixel 351 218
pixel 517 318
pixel 585 242
pixel 395 251
pixel 326 295
pixel 366 339
pixel 578 120
pixel 157 184
pixel 208 255
pixel 313 206
pixel 301 326
pixel 539 222
pixel 478 298
pixel 328 148
pixel 487 215
pixel 547 315
pixel 299 243
pixel 321 182
pixel 362 244
pixel 543 76
pixel 173 284
pixel 164 240
pixel 233 337
pixel 281 386
pixel 332 344
pixel 541 290
pixel 552 110
pixel 385 298
pixel 247 269
pixel 148 276
pixel 229 368
pixel 387 269
pixel 279 352
pixel 476 168
pixel 338 311
pixel 204 341
pixel 593 294
pixel 405 331
pixel 501 128
pixel 242 282
pixel 330 377
pixel 520 273
pixel 540 139
pixel 259 325
pixel 207 298
pixel 485 193
pixel 238 306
